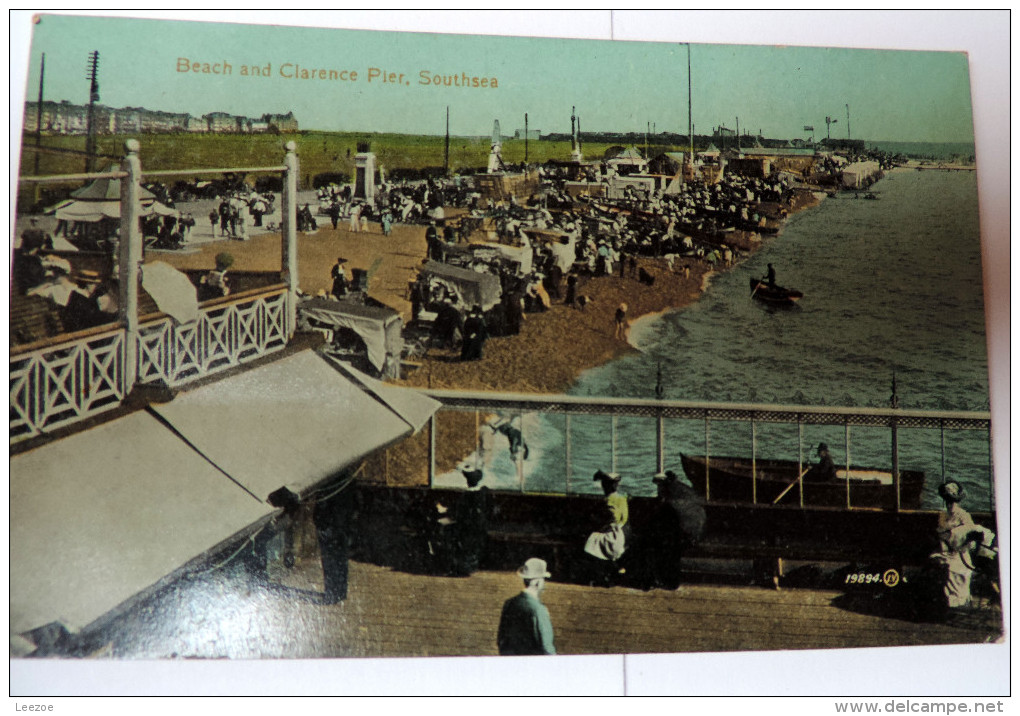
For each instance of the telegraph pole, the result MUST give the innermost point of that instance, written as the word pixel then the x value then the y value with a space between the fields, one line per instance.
pixel 525 138
pixel 38 116
pixel 848 123
pixel 690 115
pixel 90 127
pixel 446 152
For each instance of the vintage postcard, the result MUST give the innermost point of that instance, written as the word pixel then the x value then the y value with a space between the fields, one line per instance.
pixel 332 343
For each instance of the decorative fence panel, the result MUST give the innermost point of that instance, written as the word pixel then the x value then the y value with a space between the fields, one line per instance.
pixel 66 382
pixel 224 336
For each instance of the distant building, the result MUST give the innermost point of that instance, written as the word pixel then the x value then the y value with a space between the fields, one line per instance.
pixel 66 118
pixel 281 122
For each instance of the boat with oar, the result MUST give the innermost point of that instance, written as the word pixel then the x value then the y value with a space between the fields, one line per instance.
pixel 777 482
pixel 775 295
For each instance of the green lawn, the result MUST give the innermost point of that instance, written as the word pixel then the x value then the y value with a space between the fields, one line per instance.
pixel 318 152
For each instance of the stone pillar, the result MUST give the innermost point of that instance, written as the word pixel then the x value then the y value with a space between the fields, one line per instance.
pixel 364 180
pixel 130 258
pixel 288 246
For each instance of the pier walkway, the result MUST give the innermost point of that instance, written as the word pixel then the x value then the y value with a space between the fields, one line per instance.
pixel 391 613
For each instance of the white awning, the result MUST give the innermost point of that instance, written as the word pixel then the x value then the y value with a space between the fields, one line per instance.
pixel 293 422
pixel 104 514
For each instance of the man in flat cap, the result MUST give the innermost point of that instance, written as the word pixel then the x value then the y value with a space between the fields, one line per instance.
pixel 524 626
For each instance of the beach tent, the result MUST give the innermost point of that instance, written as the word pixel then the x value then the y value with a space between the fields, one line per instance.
pixel 101 200
pixel 380 328
pixel 471 288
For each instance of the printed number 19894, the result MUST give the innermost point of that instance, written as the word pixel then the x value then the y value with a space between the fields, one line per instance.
pixel 889 578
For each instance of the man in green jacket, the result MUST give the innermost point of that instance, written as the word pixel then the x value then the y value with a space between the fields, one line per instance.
pixel 524 626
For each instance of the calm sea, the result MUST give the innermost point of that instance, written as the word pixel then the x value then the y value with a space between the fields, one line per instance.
pixel 891 286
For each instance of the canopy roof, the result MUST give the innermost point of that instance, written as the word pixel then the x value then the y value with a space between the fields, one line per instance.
pixel 294 422
pixel 104 515
pixel 101 200
pixel 108 189
pixel 101 515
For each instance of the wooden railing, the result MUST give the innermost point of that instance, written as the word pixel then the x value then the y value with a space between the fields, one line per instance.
pixel 59 382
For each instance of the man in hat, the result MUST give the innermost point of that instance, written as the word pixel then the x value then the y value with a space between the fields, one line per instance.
pixel 825 469
pixel 677 524
pixel 524 626
pixel 339 277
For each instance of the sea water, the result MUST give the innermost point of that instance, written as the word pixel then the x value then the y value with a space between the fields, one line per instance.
pixel 892 287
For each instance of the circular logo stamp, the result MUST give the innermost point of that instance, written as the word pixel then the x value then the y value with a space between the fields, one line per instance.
pixel 891 578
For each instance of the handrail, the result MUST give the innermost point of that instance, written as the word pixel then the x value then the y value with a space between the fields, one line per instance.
pixel 189 172
pixel 53 178
pixel 740 412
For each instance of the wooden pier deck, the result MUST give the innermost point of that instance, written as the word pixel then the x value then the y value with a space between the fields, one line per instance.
pixel 391 613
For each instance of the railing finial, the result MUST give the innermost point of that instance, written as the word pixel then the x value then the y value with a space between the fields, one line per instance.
pixel 132 146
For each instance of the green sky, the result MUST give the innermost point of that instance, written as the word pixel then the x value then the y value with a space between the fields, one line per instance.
pixel 617 86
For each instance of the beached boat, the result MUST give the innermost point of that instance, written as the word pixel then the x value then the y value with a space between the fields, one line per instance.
pixel 776 295
pixel 776 482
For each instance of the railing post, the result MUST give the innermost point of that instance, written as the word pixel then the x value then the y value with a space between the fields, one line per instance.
pixel 289 258
pixel 896 461
pixel 432 450
pixel 613 447
pixel 846 445
pixel 800 458
pixel 754 461
pixel 129 259
pixel 708 453
pixel 566 451
pixel 660 443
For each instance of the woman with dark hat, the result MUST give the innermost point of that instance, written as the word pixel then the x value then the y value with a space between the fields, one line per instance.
pixel 606 546
pixel 959 539
pixel 475 335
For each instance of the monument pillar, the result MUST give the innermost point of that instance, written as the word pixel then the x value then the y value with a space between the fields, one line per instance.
pixel 364 179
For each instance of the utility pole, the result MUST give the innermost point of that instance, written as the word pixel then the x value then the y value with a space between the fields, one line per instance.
pixel 90 127
pixel 690 115
pixel 38 116
pixel 525 138
pixel 848 123
pixel 446 152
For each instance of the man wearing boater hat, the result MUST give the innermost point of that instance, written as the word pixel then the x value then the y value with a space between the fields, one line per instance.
pixel 524 626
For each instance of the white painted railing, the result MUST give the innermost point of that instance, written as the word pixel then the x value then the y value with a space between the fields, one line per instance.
pixel 65 382
pixel 224 335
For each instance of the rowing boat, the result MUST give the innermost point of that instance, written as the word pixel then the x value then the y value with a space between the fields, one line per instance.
pixel 776 295
pixel 729 479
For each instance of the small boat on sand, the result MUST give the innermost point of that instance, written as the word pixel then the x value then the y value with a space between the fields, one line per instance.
pixel 729 479
pixel 776 295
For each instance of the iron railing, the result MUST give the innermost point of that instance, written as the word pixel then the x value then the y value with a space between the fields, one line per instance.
pixel 708 413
